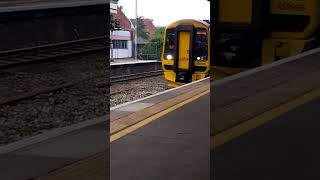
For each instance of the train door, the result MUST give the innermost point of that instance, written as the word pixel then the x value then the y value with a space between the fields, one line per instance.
pixel 184 50
pixel 184 53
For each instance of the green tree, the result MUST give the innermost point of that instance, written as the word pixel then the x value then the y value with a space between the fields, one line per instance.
pixel 153 48
pixel 141 28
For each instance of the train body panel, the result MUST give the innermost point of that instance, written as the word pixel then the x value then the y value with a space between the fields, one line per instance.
pixel 294 19
pixel 278 29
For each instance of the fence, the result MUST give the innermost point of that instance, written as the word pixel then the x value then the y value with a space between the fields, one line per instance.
pixel 150 51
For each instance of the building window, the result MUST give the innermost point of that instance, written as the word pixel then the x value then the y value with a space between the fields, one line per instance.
pixel 120 44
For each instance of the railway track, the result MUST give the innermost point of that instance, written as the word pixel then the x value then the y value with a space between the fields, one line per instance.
pixel 135 76
pixel 113 80
pixel 13 58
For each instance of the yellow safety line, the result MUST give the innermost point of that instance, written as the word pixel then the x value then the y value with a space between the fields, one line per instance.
pixel 148 120
pixel 234 132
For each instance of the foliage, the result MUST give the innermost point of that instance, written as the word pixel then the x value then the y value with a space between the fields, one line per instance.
pixel 141 28
pixel 153 48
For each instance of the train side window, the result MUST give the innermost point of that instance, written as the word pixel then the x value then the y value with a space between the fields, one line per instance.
pixel 170 41
pixel 201 44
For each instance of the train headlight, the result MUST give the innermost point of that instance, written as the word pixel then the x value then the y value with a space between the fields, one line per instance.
pixel 201 58
pixel 169 57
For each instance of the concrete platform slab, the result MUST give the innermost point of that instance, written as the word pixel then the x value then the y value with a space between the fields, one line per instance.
pixel 285 148
pixel 176 146
pixel 131 61
pixel 129 67
pixel 180 94
pixel 76 145
pixel 246 96
pixel 267 128
pixel 135 107
pixel 17 167
pixel 93 168
pixel 184 145
pixel 55 149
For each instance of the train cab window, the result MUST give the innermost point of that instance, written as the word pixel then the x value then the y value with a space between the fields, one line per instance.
pixel 170 44
pixel 201 44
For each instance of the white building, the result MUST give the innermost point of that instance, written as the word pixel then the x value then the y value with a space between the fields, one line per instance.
pixel 122 44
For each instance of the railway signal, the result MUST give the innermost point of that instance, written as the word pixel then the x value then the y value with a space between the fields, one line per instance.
pixel 116 24
pixel 112 23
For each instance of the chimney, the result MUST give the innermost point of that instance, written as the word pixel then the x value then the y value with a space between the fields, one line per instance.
pixel 121 7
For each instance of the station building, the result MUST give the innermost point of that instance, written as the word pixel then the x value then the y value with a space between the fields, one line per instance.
pixel 122 38
pixel 121 44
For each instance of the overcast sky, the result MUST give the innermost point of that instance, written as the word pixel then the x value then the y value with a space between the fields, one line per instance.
pixel 164 12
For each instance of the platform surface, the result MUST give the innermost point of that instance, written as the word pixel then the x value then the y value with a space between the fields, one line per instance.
pixel 264 122
pixel 175 146
pixel 36 158
pixel 161 136
pixel 131 61
pixel 286 148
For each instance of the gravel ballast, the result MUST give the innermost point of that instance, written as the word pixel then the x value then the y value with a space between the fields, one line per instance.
pixel 136 89
pixel 87 99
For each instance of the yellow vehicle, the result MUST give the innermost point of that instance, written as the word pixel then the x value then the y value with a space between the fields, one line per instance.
pixel 250 33
pixel 186 52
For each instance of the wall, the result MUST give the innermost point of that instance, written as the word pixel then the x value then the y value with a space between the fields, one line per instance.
pixel 122 53
pixel 46 26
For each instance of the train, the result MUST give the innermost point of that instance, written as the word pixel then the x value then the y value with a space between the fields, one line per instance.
pixel 251 33
pixel 186 51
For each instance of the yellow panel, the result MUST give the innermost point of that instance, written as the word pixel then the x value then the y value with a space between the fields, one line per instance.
pixel 298 7
pixel 170 76
pixel 281 48
pixel 184 47
pixel 235 11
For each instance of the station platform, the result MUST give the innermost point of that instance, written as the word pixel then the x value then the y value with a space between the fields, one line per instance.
pixel 264 122
pixel 130 61
pixel 35 157
pixel 129 67
pixel 163 136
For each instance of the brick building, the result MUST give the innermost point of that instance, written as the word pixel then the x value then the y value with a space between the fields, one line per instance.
pixel 125 23
pixel 150 27
pixel 122 38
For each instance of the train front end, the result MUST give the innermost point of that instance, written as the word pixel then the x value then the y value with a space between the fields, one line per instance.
pixel 186 52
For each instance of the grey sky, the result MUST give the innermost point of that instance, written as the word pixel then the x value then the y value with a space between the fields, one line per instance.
pixel 164 12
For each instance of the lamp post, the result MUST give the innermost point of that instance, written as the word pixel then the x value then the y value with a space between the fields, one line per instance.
pixel 136 33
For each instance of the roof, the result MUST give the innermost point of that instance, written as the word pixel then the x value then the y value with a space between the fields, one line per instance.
pixel 189 22
pixel 150 27
pixel 125 23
